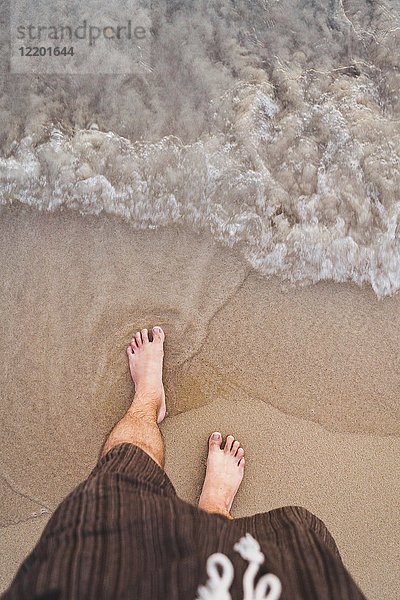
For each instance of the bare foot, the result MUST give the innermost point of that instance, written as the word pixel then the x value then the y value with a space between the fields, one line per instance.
pixel 224 475
pixel 145 364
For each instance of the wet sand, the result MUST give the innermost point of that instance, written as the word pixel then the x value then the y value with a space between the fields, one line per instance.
pixel 306 378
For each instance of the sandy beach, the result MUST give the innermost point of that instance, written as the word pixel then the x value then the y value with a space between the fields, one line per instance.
pixel 306 378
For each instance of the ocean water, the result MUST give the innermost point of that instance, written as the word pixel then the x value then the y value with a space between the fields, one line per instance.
pixel 273 125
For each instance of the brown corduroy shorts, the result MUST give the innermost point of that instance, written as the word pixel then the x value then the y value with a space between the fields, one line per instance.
pixel 124 534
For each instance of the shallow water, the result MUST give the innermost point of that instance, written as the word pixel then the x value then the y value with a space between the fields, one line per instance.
pixel 273 126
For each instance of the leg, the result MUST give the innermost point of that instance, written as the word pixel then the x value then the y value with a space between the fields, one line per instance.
pixel 224 474
pixel 139 426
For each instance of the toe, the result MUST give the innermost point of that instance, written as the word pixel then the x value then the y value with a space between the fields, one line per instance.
pixel 145 336
pixel 133 344
pixel 235 447
pixel 158 334
pixel 215 441
pixel 138 338
pixel 241 464
pixel 129 351
pixel 228 443
pixel 240 454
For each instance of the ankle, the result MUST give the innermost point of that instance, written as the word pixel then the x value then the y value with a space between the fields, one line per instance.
pixel 214 508
pixel 148 394
pixel 143 409
pixel 214 505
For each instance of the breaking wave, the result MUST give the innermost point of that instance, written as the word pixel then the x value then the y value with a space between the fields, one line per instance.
pixel 296 168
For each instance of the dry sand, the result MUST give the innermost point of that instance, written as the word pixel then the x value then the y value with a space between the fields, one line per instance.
pixel 307 379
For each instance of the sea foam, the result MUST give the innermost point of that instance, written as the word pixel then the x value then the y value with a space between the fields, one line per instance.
pixel 275 131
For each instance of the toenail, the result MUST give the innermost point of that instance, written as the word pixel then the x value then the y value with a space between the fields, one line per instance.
pixel 215 436
pixel 157 330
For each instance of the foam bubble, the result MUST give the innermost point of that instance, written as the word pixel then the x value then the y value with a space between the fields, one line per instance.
pixel 276 131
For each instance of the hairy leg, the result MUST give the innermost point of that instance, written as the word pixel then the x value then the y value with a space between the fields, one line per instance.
pixel 139 425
